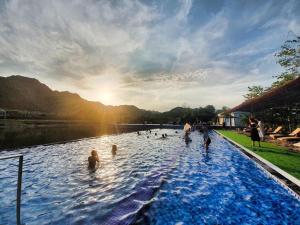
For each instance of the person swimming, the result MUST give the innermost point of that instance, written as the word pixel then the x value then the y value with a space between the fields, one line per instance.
pixel 93 159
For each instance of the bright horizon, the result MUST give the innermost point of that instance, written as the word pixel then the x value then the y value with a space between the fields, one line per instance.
pixel 153 54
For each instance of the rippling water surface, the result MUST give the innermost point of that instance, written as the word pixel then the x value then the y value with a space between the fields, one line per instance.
pixel 150 180
pixel 220 187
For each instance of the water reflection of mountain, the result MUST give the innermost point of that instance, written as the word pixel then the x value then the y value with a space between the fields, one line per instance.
pixel 26 136
pixel 22 133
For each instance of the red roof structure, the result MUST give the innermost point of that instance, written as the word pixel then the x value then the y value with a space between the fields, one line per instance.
pixel 286 96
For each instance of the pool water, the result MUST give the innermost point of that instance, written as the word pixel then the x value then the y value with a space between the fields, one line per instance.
pixel 150 181
pixel 220 187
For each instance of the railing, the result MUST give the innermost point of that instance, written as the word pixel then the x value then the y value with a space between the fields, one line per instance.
pixel 19 185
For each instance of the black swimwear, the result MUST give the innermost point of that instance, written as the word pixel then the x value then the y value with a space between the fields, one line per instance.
pixel 254 133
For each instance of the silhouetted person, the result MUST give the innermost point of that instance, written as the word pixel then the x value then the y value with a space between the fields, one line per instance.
pixel 254 132
pixel 93 159
pixel 114 149
pixel 206 138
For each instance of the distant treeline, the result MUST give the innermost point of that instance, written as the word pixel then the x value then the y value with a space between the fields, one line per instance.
pixel 180 115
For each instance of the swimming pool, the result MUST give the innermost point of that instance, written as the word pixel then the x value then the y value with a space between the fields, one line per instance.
pixel 149 181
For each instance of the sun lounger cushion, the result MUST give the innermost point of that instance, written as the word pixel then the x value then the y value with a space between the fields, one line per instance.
pixel 295 132
pixel 281 137
pixel 289 139
pixel 297 145
pixel 274 136
pixel 276 131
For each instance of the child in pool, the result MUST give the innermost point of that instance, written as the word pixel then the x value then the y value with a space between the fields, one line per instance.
pixel 93 159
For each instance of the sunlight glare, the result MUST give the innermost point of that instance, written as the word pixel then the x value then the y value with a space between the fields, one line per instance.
pixel 106 97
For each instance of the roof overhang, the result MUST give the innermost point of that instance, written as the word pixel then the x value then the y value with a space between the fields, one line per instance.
pixel 286 96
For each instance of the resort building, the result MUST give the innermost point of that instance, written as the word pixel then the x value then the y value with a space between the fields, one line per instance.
pixel 279 106
pixel 233 119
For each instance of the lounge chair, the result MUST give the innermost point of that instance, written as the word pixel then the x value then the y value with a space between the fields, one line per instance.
pixel 276 131
pixel 294 136
pixel 297 145
pixel 275 134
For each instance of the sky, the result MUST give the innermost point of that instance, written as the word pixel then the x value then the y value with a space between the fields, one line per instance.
pixel 153 54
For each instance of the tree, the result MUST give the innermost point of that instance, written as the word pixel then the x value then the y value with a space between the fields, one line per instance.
pixel 225 108
pixel 254 92
pixel 210 109
pixel 289 58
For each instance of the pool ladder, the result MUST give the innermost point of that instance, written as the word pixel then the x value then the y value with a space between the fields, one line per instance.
pixel 19 187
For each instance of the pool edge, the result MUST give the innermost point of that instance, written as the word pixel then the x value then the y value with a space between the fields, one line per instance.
pixel 288 181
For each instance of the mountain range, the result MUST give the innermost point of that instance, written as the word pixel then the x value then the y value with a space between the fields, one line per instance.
pixel 28 94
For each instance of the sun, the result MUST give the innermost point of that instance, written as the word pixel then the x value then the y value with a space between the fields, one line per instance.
pixel 106 97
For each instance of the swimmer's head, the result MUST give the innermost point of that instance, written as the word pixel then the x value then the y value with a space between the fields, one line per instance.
pixel 94 152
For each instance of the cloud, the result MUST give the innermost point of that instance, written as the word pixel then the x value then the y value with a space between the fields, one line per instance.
pixel 136 48
pixel 72 38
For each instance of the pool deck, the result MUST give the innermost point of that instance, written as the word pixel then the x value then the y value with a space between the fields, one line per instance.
pixel 288 181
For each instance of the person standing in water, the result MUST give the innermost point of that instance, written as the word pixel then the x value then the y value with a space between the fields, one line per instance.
pixel 254 132
pixel 206 138
pixel 114 150
pixel 93 159
pixel 187 137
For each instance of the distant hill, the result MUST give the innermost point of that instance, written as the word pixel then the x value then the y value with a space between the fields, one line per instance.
pixel 23 93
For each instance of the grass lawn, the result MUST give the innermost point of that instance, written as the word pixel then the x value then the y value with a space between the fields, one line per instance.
pixel 278 155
